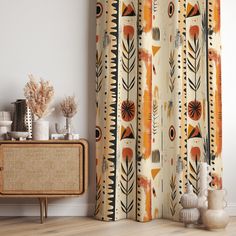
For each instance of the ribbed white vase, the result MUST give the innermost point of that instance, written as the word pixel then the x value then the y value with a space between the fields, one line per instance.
pixel 189 215
pixel 40 130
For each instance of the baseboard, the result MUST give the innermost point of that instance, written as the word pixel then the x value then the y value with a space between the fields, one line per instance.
pixel 53 210
pixel 65 210
pixel 231 209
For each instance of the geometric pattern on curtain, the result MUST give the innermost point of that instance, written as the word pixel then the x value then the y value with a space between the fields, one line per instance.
pixel 158 85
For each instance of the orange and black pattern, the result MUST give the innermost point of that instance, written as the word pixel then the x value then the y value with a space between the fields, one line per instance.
pixel 158 85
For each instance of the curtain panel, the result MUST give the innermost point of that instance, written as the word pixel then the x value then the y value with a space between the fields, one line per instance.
pixel 158 85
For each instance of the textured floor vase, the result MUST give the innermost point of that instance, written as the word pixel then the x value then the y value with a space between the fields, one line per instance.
pixel 215 217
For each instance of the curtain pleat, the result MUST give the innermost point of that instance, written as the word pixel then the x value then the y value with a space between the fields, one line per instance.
pixel 158 85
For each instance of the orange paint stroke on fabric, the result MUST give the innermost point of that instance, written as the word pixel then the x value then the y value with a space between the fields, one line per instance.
pixel 147 10
pixel 147 105
pixel 213 55
pixel 146 185
pixel 216 16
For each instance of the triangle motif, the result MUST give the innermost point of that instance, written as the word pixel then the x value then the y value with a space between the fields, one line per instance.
pixel 128 10
pixel 155 50
pixel 192 10
pixel 155 172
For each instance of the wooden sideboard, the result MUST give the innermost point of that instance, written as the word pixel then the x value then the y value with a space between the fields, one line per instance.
pixel 43 169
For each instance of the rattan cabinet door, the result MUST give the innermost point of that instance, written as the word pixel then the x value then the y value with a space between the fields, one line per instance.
pixel 55 169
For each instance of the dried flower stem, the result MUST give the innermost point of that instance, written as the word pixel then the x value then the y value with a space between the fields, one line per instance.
pixel 38 96
pixel 69 107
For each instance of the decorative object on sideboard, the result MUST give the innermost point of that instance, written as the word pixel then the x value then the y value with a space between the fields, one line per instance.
pixel 203 186
pixel 20 136
pixel 5 124
pixel 5 116
pixel 41 129
pixel 215 217
pixel 189 215
pixel 38 96
pixel 57 137
pixel 22 119
pixel 68 108
pixel 61 136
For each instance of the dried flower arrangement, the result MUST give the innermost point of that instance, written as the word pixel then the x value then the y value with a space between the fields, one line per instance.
pixel 38 96
pixel 69 107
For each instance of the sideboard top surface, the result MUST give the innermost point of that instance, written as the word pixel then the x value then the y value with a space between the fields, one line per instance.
pixel 44 142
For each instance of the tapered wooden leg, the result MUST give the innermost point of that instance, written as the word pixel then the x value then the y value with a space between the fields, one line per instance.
pixel 46 207
pixel 41 202
pixel 43 209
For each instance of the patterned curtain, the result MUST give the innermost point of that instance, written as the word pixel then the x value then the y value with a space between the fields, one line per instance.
pixel 158 102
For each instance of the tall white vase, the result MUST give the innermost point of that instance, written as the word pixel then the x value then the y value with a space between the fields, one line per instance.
pixel 40 130
pixel 203 185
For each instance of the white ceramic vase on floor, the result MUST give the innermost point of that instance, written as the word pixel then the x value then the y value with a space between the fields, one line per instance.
pixel 215 217
pixel 40 130
pixel 189 215
pixel 203 186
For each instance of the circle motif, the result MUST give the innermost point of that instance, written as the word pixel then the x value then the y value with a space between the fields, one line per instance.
pixel 98 133
pixel 99 9
pixel 128 110
pixel 171 9
pixel 172 133
pixel 195 110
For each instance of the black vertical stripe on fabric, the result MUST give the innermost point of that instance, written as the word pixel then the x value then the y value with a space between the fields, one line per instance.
pixel 139 114
pixel 113 129
pixel 185 105
pixel 207 86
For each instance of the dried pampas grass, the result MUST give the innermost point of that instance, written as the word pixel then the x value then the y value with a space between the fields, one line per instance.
pixel 69 107
pixel 38 96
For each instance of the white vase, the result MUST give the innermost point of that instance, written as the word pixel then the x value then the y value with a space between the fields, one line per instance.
pixel 5 126
pixel 215 218
pixel 68 135
pixel 189 215
pixel 5 115
pixel 203 182
pixel 40 130
pixel 3 132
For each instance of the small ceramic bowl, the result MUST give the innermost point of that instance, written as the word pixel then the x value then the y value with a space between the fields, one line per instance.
pixel 17 135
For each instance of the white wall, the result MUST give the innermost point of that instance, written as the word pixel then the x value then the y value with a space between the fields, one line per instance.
pixel 54 39
pixel 229 100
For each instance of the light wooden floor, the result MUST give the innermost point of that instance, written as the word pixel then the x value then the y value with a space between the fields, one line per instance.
pixel 82 226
